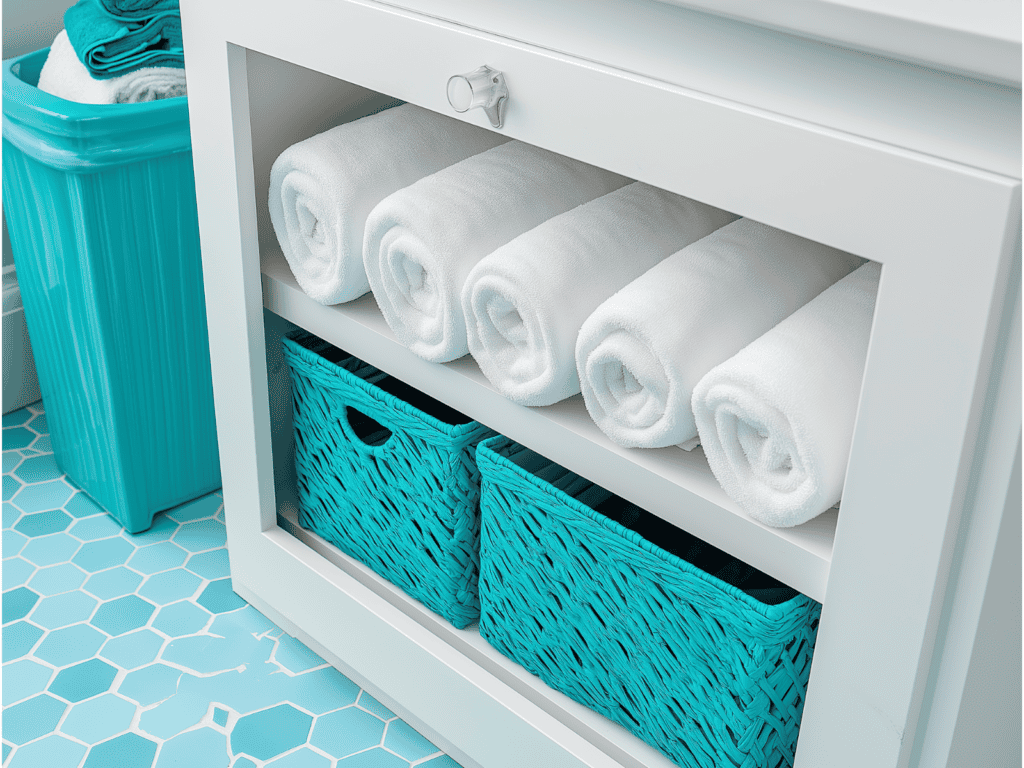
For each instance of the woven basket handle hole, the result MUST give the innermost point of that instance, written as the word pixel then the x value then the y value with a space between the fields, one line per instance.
pixel 370 432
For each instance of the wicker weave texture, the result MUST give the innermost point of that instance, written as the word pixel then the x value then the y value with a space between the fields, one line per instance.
pixel 691 665
pixel 404 504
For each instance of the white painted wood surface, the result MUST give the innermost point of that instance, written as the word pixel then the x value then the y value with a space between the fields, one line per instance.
pixel 968 121
pixel 976 39
pixel 945 230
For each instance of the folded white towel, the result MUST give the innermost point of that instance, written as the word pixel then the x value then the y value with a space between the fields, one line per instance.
pixel 525 302
pixel 776 420
pixel 65 76
pixel 640 353
pixel 422 241
pixel 323 188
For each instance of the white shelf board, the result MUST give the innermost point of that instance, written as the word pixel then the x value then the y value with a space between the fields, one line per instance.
pixel 605 734
pixel 674 484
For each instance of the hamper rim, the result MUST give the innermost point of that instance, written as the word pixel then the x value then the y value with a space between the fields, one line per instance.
pixel 47 103
pixel 774 612
pixel 450 431
pixel 83 138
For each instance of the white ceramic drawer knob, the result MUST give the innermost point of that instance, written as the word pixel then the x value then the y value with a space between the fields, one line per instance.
pixel 483 87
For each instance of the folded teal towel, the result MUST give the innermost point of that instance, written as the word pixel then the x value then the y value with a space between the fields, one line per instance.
pixel 138 9
pixel 109 46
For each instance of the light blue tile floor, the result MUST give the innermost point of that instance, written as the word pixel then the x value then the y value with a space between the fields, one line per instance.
pixel 124 651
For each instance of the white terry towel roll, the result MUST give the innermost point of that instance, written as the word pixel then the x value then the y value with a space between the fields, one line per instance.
pixel 525 302
pixel 65 76
pixel 640 354
pixel 776 420
pixel 323 188
pixel 422 241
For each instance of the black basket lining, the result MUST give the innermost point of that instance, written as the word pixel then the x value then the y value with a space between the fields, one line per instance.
pixel 654 529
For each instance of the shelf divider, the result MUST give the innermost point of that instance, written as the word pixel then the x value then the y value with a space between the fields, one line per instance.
pixel 674 484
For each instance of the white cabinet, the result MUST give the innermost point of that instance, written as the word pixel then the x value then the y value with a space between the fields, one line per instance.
pixel 911 167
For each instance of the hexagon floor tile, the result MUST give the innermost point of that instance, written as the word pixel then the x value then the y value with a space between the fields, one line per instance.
pixel 132 650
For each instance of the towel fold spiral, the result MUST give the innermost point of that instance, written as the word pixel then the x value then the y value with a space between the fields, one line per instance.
pixel 323 188
pixel 525 302
pixel 776 419
pixel 641 352
pixel 422 241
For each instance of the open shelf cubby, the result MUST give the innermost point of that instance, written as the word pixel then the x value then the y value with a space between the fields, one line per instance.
pixel 912 167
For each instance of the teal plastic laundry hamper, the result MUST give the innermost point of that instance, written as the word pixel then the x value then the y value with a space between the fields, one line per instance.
pixel 693 651
pixel 387 474
pixel 101 207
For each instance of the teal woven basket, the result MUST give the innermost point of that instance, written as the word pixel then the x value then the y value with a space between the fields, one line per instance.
pixel 701 656
pixel 388 475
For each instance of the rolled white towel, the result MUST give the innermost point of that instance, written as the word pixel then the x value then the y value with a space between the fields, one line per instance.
pixel 65 76
pixel 422 241
pixel 525 302
pixel 641 352
pixel 323 188
pixel 776 419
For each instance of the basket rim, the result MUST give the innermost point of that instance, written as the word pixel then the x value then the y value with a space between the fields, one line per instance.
pixel 388 400
pixel 774 612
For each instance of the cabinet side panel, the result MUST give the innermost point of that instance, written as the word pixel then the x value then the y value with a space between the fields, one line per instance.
pixel 988 729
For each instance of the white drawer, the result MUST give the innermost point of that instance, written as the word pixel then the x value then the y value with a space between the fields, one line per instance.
pixel 711 148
